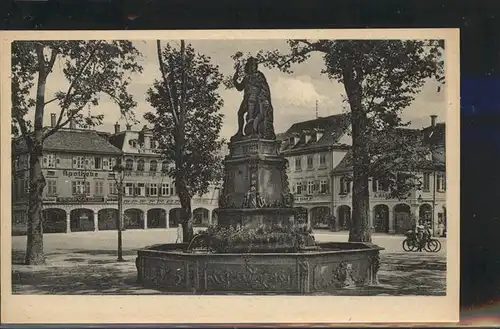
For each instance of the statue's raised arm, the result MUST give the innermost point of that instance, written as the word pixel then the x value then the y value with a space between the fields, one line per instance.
pixel 256 104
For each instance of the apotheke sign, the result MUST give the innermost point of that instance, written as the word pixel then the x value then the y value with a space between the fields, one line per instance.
pixel 79 173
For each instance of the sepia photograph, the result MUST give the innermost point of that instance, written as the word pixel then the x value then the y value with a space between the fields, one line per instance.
pixel 288 166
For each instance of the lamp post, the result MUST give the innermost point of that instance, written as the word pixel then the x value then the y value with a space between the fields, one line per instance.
pixel 119 176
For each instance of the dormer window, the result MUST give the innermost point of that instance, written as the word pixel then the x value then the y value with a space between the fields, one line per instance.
pixel 291 141
pixel 132 143
pixel 319 134
pixel 307 136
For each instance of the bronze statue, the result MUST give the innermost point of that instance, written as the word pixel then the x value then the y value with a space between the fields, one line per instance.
pixel 256 103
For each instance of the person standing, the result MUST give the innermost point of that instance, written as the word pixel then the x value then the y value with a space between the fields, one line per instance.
pixel 179 234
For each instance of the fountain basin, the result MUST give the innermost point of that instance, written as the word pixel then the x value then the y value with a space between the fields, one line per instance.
pixel 334 266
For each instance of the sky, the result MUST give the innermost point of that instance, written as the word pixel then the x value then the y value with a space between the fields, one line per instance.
pixel 293 95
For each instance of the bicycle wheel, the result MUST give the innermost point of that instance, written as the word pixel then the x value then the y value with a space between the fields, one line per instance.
pixel 438 245
pixel 431 245
pixel 408 245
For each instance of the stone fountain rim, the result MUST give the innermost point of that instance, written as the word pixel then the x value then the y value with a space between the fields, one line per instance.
pixel 371 246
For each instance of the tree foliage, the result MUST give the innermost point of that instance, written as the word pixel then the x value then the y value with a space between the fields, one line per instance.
pixel 91 69
pixel 381 79
pixel 186 122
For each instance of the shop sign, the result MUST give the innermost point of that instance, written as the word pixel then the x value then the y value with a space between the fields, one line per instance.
pixel 79 173
pixel 79 199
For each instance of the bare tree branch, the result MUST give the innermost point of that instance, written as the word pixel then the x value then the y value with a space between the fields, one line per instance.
pixel 166 83
pixel 67 98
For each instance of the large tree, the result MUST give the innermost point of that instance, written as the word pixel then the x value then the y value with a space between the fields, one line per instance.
pixel 381 79
pixel 186 122
pixel 91 68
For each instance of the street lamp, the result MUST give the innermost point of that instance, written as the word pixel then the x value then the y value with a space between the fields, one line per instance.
pixel 119 176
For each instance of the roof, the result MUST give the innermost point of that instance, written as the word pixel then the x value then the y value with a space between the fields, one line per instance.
pixel 332 128
pixel 117 140
pixel 345 165
pixel 435 135
pixel 74 141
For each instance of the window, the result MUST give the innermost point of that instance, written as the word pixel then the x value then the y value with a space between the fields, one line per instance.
pixel 310 187
pixel 310 161
pixel 440 182
pixel 322 159
pixel 165 190
pixel 49 161
pixel 80 187
pixel 51 187
pixel 99 188
pixel 140 165
pixel 129 189
pixel 97 163
pixel 299 188
pixel 129 164
pixel 105 164
pixel 298 164
pixel 152 144
pixel 153 165
pixel 153 189
pixel 323 186
pixel 427 182
pixel 345 186
pixel 78 162
pixel 112 188
pixel 140 189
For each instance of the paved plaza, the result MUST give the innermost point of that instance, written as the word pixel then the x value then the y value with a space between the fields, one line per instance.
pixel 85 263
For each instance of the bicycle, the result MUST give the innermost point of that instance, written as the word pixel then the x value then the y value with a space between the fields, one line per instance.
pixel 412 243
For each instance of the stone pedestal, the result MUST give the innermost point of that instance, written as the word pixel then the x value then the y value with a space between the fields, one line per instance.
pixel 255 189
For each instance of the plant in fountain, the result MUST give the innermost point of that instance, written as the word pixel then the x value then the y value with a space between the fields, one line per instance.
pixel 264 238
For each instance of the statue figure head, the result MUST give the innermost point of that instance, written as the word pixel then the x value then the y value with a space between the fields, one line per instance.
pixel 251 65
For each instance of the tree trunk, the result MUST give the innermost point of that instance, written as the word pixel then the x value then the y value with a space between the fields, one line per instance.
pixel 34 248
pixel 34 245
pixel 181 177
pixel 360 223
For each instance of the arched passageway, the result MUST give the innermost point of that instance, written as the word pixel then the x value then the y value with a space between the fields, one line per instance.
pixel 174 216
pixel 425 213
pixel 82 220
pixel 381 218
pixel 107 219
pixel 200 216
pixel 344 217
pixel 157 218
pixel 320 217
pixel 402 218
pixel 133 219
pixel 54 220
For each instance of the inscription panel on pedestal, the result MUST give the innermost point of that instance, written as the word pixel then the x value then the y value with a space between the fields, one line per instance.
pixel 164 273
pixel 255 277
pixel 347 273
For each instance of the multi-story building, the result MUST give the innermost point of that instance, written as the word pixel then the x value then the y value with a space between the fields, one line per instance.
pixel 318 153
pixel 81 190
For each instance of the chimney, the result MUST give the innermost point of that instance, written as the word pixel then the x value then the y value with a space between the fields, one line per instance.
pixel 117 128
pixel 52 120
pixel 129 126
pixel 433 120
pixel 72 124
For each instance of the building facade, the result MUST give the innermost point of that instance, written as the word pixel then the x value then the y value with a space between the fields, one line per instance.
pixel 318 153
pixel 81 188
